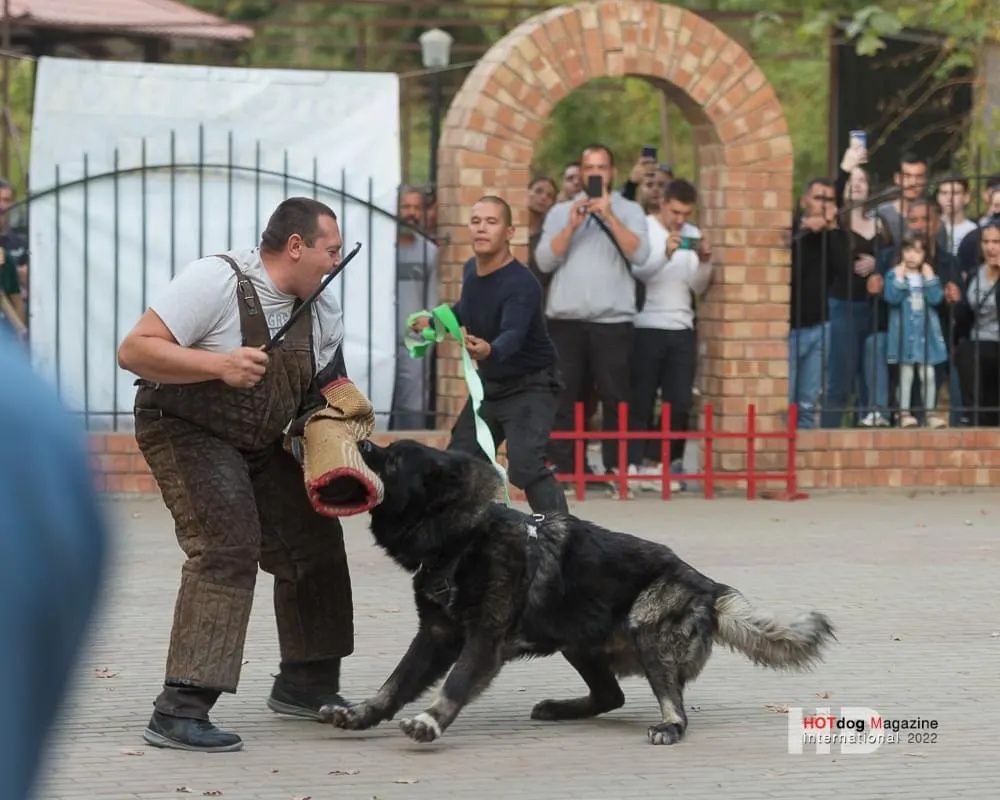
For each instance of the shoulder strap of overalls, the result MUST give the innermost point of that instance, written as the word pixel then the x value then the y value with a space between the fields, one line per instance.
pixel 253 326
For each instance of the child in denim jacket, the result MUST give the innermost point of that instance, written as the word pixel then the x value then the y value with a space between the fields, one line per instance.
pixel 915 341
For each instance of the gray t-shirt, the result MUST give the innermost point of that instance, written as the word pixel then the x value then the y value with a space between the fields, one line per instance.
pixel 416 277
pixel 982 295
pixel 894 221
pixel 199 307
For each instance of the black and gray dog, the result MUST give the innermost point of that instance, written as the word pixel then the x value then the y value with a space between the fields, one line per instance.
pixel 493 584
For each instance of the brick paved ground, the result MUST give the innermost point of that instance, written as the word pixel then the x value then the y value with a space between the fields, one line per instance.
pixel 910 582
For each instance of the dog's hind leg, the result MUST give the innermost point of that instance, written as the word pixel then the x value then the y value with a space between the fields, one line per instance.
pixel 605 693
pixel 432 651
pixel 477 665
pixel 662 672
pixel 672 651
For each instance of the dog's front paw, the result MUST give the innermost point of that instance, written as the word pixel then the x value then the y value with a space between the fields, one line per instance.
pixel 351 718
pixel 549 710
pixel 421 728
pixel 665 733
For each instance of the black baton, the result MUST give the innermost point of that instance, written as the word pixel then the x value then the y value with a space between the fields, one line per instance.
pixel 310 300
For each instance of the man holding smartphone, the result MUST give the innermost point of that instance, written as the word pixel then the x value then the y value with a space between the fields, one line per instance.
pixel 590 244
pixel 664 353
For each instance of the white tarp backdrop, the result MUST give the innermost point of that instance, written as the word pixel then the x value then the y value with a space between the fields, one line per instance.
pixel 102 248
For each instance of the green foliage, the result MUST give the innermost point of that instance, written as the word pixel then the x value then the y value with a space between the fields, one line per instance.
pixel 624 114
pixel 22 87
pixel 789 41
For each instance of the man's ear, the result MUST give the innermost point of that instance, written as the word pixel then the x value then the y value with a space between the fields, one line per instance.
pixel 294 246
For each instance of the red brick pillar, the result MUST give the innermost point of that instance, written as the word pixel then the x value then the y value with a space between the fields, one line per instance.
pixel 744 173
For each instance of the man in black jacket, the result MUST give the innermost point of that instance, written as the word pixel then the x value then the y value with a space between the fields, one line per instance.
pixel 500 311
pixel 819 248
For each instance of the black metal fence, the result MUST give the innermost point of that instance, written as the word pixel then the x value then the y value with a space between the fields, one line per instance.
pixel 874 343
pixel 104 240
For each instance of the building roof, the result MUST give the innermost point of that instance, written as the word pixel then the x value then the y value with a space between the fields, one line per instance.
pixel 160 18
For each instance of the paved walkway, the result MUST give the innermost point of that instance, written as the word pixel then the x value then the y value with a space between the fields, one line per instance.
pixel 910 582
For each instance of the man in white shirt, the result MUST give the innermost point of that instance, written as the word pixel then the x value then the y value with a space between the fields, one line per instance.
pixel 953 197
pixel 664 351
pixel 210 419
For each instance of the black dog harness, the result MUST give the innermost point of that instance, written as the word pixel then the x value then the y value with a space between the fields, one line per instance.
pixel 437 581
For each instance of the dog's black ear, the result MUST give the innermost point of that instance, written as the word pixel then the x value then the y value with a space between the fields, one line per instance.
pixel 446 479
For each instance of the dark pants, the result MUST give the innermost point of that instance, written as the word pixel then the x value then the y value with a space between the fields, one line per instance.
pixel 662 361
pixel 850 324
pixel 597 352
pixel 519 412
pixel 979 373
pixel 234 511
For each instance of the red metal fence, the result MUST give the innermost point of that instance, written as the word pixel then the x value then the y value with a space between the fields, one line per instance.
pixel 709 475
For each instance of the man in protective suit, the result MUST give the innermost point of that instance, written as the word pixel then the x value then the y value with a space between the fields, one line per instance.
pixel 210 419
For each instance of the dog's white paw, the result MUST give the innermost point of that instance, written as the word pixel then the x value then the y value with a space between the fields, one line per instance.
pixel 665 733
pixel 350 718
pixel 421 728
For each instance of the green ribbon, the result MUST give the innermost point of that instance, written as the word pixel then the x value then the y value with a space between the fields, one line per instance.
pixel 443 324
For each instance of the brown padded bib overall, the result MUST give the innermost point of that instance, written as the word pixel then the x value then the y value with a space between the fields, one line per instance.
pixel 238 499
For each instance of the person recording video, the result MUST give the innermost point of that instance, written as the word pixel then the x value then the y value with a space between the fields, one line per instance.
pixel 590 245
pixel 664 353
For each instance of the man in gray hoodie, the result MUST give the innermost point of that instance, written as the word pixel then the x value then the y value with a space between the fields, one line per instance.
pixel 589 245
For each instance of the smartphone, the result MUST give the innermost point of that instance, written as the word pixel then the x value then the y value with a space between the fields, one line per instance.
pixel 595 186
pixel 689 242
pixel 649 151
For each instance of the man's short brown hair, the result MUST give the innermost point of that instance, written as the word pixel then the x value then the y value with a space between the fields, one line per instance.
pixel 295 215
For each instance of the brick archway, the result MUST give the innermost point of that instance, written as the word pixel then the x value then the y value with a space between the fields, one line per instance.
pixel 744 159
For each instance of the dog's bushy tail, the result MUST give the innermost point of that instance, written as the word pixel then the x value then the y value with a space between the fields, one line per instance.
pixel 766 640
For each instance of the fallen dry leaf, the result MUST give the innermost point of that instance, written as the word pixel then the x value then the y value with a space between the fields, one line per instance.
pixel 133 752
pixel 917 755
pixel 184 790
pixel 246 661
pixel 344 772
pixel 823 695
pixel 212 793
pixel 104 672
pixel 777 708
pixel 406 780
pixel 303 797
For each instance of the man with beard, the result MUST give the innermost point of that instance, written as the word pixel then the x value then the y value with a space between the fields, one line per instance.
pixel 500 310
pixel 210 419
pixel 416 287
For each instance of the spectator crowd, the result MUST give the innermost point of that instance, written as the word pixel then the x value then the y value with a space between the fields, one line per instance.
pixel 894 299
pixel 893 312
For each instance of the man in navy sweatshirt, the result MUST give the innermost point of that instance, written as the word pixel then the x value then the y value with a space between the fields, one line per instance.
pixel 500 310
